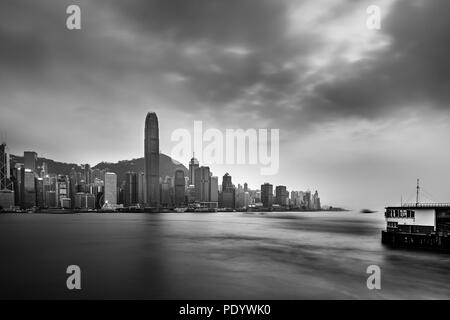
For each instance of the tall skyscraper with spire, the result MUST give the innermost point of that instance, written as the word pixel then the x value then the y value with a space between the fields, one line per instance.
pixel 151 155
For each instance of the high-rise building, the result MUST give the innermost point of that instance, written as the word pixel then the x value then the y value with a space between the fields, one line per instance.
pixel 30 159
pixel 179 187
pixel 50 196
pixel 141 189
pixel 267 195
pixel 193 166
pixel 165 194
pixel 307 200
pixel 5 170
pixel 40 192
pixel 281 195
pixel 214 193
pixel 28 189
pixel 239 197
pixel 6 186
pixel 110 195
pixel 316 201
pixel 87 173
pixel 18 179
pixel 151 155
pixel 131 189
pixel 63 190
pixel 228 196
pixel 202 184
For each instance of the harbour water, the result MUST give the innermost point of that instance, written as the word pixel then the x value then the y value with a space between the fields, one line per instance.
pixel 285 255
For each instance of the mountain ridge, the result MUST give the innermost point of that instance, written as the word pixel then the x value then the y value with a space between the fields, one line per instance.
pixel 167 166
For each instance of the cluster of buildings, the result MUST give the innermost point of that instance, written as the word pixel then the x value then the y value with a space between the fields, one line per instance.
pixel 28 186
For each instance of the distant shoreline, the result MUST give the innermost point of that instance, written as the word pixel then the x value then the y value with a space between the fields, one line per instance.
pixel 151 210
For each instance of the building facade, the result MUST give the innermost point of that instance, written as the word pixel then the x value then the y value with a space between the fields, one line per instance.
pixel 151 155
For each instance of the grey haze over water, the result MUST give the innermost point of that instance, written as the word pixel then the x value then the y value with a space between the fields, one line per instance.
pixel 209 256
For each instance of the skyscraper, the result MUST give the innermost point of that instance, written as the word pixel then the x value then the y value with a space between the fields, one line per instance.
pixel 179 187
pixel 5 178
pixel 141 189
pixel 228 192
pixel 110 188
pixel 131 189
pixel 266 195
pixel 28 189
pixel 316 201
pixel 193 166
pixel 281 195
pixel 30 158
pixel 214 189
pixel 151 155
pixel 202 184
pixel 6 186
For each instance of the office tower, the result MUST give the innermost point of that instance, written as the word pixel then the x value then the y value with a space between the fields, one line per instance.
pixel 6 186
pixel 245 187
pixel 281 195
pixel 87 174
pixel 202 184
pixel 141 189
pixel 28 189
pixel 30 159
pixel 5 170
pixel 165 194
pixel 214 193
pixel 39 192
pixel 131 189
pixel 228 192
pixel 179 187
pixel 295 200
pixel 63 190
pixel 307 200
pixel 193 166
pixel 239 197
pixel 266 195
pixel 17 178
pixel 151 155
pixel 316 201
pixel 110 195
pixel 73 185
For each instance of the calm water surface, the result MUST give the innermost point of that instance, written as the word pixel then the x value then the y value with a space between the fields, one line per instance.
pixel 212 256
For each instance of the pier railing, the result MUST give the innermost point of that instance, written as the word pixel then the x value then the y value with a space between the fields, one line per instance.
pixel 427 205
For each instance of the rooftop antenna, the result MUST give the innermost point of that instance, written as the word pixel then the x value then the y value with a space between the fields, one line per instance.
pixel 417 192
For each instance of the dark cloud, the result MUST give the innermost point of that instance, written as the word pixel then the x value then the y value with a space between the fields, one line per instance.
pixel 414 71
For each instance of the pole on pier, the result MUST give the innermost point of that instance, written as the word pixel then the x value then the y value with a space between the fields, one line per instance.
pixel 417 192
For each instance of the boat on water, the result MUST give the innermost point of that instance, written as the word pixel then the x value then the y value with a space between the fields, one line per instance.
pixel 367 211
pixel 418 225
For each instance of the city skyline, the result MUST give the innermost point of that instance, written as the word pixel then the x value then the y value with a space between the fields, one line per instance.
pixel 361 114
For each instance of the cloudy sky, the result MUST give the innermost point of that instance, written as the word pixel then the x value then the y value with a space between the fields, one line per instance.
pixel 362 113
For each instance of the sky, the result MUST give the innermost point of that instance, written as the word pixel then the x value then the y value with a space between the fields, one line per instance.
pixel 361 113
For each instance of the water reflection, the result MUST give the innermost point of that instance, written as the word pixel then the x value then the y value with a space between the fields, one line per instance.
pixel 212 256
